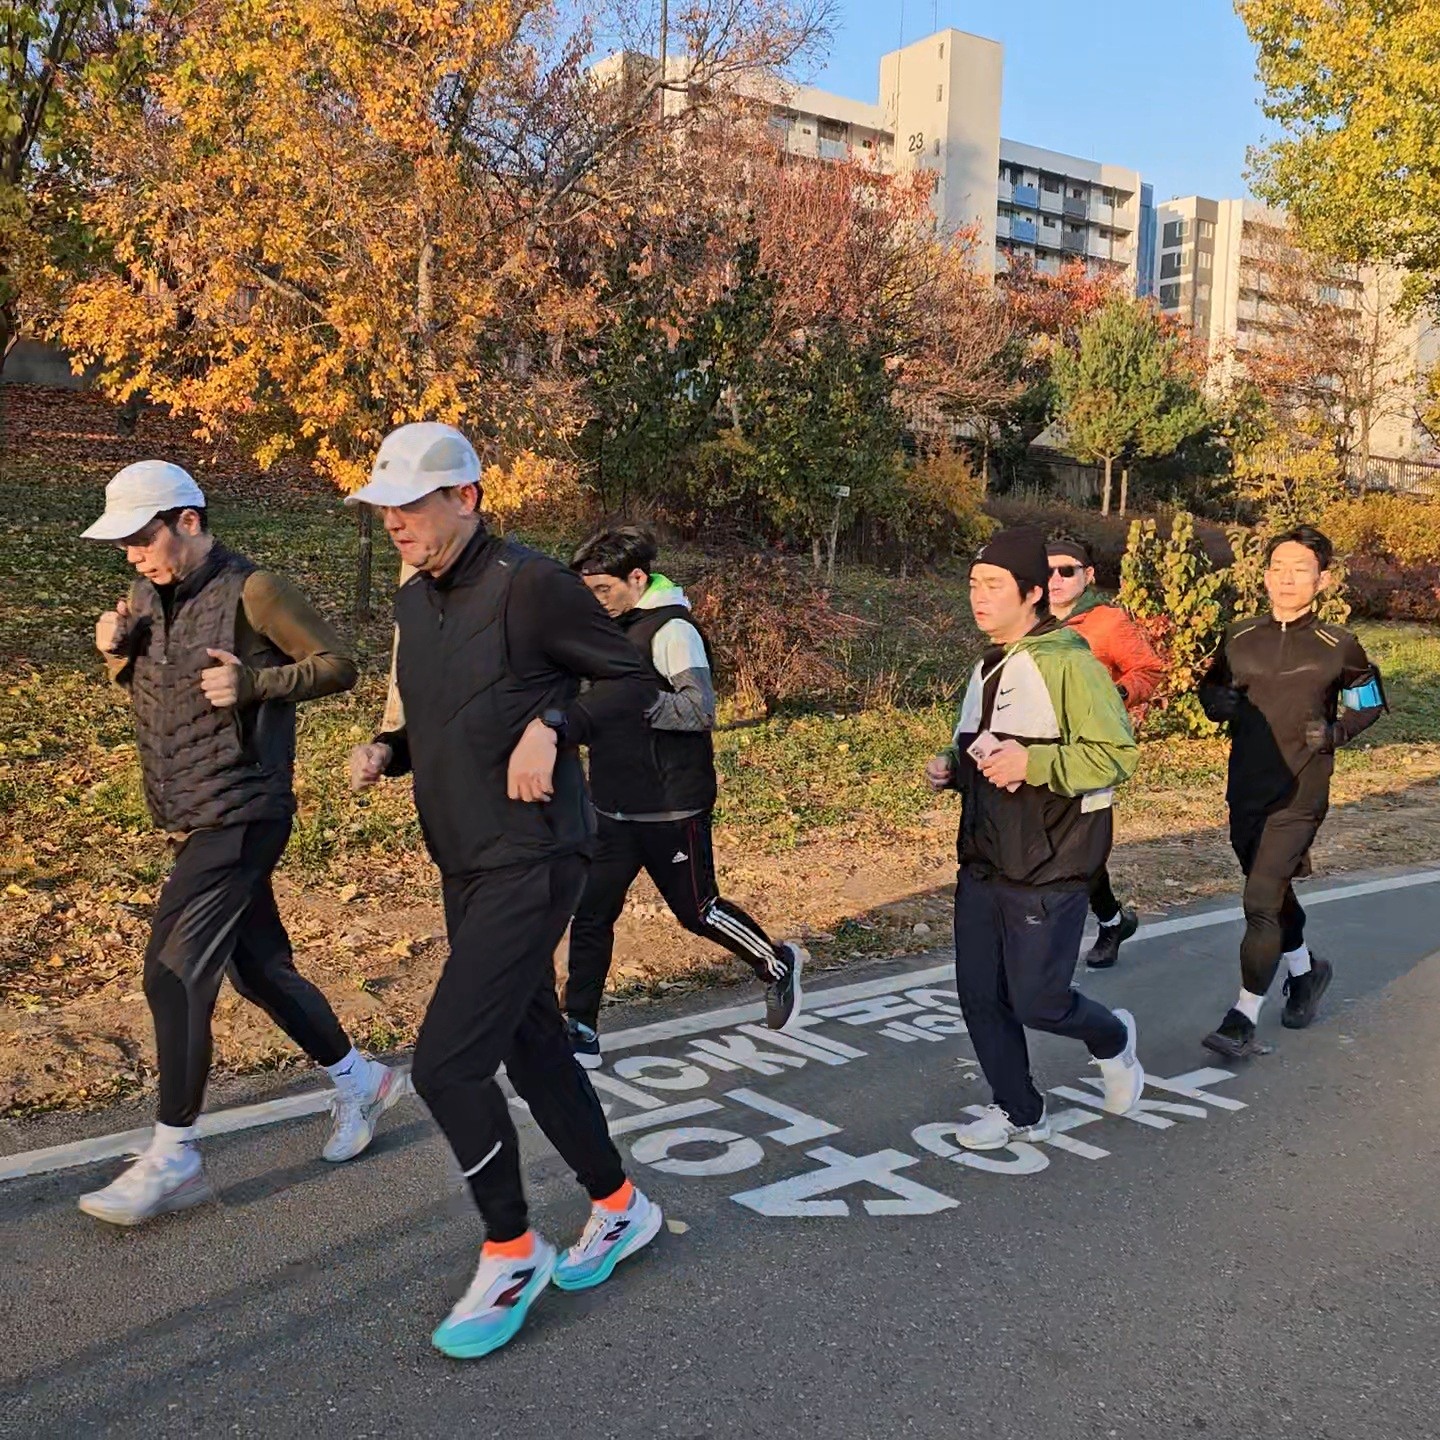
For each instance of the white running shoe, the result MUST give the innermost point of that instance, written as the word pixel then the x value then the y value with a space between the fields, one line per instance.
pixel 609 1236
pixel 494 1308
pixel 158 1182
pixel 994 1130
pixel 1124 1076
pixel 357 1108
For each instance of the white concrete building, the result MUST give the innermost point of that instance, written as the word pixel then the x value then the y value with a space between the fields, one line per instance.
pixel 1214 270
pixel 938 108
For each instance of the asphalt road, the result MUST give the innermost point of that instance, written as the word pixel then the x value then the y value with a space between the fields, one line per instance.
pixel 1263 1260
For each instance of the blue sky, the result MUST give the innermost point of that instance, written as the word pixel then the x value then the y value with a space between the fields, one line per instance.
pixel 1167 89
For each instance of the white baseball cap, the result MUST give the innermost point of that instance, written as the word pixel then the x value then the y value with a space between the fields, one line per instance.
pixel 416 460
pixel 139 493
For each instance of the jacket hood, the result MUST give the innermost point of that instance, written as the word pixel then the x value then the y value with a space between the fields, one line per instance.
pixel 1092 599
pixel 1054 637
pixel 662 591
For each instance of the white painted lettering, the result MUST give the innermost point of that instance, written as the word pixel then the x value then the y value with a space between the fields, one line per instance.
pixel 731 1051
pixel 796 1197
pixel 665 1115
pixel 812 1047
pixel 739 1153
pixel 661 1072
pixel 800 1129
pixel 937 1139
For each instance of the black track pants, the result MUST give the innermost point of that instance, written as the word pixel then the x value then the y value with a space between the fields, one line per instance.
pixel 1016 948
pixel 495 1004
pixel 678 856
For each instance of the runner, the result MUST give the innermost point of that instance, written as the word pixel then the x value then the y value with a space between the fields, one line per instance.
pixel 654 787
pixel 1279 681
pixel 215 654
pixel 1119 644
pixel 1041 742
pixel 493 642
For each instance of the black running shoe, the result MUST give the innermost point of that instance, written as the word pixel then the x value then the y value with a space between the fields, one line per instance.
pixel 782 995
pixel 585 1042
pixel 1106 949
pixel 1303 992
pixel 1235 1037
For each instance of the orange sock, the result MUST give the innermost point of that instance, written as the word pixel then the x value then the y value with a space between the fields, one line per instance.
pixel 620 1200
pixel 509 1249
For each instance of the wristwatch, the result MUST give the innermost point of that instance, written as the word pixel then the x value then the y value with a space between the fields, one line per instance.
pixel 555 720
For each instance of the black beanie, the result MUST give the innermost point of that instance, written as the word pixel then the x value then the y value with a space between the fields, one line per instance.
pixel 1022 553
pixel 1068 545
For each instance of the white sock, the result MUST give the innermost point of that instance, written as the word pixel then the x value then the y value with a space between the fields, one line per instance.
pixel 1249 1006
pixel 171 1139
pixel 352 1072
pixel 1119 916
pixel 1298 961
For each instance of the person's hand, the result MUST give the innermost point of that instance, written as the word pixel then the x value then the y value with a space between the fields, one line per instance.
pixel 112 629
pixel 532 764
pixel 939 772
pixel 1223 702
pixel 1320 737
pixel 1005 766
pixel 222 682
pixel 367 764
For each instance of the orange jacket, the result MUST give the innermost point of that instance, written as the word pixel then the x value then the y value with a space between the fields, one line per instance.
pixel 1119 644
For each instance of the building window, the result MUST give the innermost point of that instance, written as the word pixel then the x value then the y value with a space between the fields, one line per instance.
pixel 1187 258
pixel 1169 297
pixel 1206 259
pixel 1050 185
pixel 937 144
pixel 1177 232
pixel 942 49
pixel 1207 229
pixel 1075 229
pixel 939 94
pixel 1049 223
pixel 1169 266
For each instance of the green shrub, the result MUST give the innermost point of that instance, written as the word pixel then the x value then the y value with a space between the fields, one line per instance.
pixel 1385 527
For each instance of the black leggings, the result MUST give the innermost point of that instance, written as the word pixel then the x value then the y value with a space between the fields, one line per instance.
pixel 679 858
pixel 217 916
pixel 1273 850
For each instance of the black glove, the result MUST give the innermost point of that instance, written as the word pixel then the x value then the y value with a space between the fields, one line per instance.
pixel 1221 702
pixel 1320 737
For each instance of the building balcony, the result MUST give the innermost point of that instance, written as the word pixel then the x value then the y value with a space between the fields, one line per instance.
pixel 1026 195
pixel 1005 192
pixel 1051 202
pixel 834 150
pixel 1022 231
pixel 1101 214
pixel 1072 244
pixel 1075 209
pixel 1002 227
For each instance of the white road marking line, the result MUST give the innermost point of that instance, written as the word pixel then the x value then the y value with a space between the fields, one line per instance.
pixel 272 1112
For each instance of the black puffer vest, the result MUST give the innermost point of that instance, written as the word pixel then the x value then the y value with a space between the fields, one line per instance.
pixel 205 767
pixel 465 711
pixel 638 770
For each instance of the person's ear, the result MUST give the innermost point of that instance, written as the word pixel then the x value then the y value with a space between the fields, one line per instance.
pixel 1325 578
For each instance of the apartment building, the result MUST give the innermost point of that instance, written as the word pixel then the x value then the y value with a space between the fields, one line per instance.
pixel 1053 208
pixel 938 109
pixel 1218 268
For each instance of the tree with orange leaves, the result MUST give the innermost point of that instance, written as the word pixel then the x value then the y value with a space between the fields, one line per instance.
pixel 329 218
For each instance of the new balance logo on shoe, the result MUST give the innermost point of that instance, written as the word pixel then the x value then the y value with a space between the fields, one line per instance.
pixel 510 1296
pixel 616 1231
pixel 680 858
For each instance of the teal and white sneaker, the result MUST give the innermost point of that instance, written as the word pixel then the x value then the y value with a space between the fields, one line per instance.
pixel 610 1236
pixel 493 1309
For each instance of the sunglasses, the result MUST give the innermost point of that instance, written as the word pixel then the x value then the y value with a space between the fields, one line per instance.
pixel 141 538
pixel 1066 572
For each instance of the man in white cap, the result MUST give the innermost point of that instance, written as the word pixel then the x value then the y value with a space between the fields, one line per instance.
pixel 215 654
pixel 494 642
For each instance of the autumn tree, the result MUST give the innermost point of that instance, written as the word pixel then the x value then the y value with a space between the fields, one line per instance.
pixel 1324 347
pixel 327 219
pixel 1126 391
pixel 1351 84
